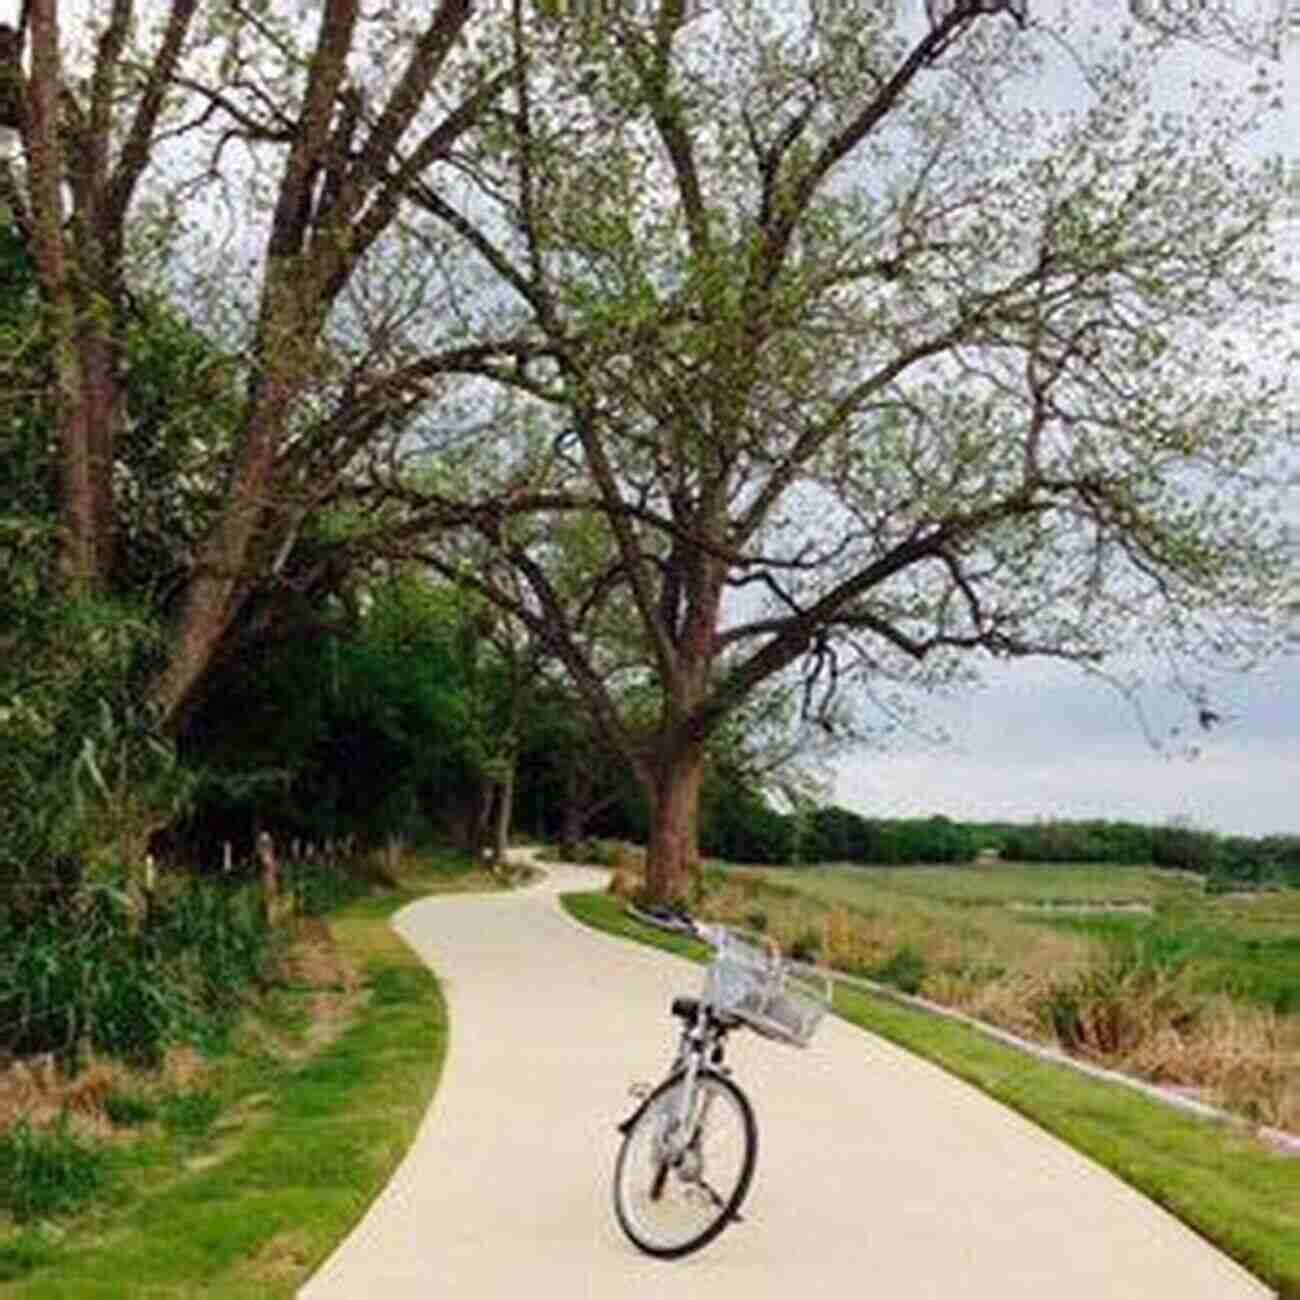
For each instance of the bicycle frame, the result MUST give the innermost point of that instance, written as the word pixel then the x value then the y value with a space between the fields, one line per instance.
pixel 699 1042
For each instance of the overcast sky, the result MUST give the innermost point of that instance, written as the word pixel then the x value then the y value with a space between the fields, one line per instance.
pixel 1040 741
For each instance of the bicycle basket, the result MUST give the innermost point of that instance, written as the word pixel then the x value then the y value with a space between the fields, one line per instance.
pixel 781 1000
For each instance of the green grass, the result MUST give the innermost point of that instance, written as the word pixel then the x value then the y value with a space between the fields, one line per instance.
pixel 44 1173
pixel 1249 950
pixel 129 1109
pixel 252 1179
pixel 1232 955
pixel 1233 1191
pixel 987 885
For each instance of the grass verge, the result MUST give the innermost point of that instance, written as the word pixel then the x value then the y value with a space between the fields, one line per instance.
pixel 1239 1195
pixel 248 1206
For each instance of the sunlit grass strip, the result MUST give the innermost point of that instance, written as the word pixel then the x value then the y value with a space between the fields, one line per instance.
pixel 257 1224
pixel 1237 1194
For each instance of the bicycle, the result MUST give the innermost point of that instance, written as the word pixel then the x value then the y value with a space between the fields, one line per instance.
pixel 687 1157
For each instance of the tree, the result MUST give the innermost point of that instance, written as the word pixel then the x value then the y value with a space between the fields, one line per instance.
pixel 86 777
pixel 863 365
pixel 335 122
pixel 569 776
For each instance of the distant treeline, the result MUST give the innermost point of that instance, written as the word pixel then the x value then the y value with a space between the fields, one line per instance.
pixel 749 830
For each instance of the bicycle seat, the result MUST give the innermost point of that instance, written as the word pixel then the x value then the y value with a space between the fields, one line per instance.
pixel 687 1009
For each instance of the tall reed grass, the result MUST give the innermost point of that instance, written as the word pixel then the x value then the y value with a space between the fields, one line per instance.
pixel 90 970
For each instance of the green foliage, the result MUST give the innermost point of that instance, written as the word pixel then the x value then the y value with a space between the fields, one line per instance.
pixel 127 1109
pixel 83 768
pixel 27 474
pixel 88 969
pixel 183 400
pixel 82 763
pixel 47 1172
pixel 1252 958
pixel 180 403
pixel 374 721
pixel 1106 1009
pixel 320 887
pixel 1074 841
pixel 24 1253
pixel 191 1113
pixel 738 825
pixel 1238 861
pixel 905 970
pixel 741 826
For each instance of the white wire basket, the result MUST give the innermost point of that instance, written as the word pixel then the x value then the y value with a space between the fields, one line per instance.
pixel 782 1000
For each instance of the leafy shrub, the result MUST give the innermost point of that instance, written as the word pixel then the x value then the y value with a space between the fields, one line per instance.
pixel 806 946
pixel 1111 1008
pixel 189 1114
pixel 320 887
pixel 84 969
pixel 129 1109
pixel 43 1173
pixel 904 970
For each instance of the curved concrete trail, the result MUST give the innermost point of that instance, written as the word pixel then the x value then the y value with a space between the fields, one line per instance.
pixel 877 1173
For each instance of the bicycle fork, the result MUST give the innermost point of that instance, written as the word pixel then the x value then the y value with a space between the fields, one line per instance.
pixel 678 1139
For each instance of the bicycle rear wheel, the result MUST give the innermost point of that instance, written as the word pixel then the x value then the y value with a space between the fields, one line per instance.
pixel 672 1196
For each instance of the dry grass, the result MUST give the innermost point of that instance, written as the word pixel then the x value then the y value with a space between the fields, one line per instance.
pixel 1246 1059
pixel 37 1090
pixel 962 949
pixel 1054 986
pixel 313 963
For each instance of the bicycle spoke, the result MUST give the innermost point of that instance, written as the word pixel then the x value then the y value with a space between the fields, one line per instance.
pixel 674 1205
pixel 712 1191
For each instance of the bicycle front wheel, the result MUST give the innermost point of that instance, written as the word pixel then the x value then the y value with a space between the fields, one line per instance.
pixel 678 1183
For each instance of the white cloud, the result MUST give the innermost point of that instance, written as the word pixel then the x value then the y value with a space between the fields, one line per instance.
pixel 1039 743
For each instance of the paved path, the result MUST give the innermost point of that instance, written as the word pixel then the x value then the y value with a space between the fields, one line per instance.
pixel 877 1173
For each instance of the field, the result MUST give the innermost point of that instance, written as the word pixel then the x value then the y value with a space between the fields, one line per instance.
pixel 993 885
pixel 1135 968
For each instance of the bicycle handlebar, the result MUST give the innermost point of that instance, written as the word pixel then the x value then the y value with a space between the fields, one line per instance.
pixel 679 922
pixel 666 918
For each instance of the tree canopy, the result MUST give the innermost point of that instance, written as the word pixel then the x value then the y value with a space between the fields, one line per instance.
pixel 865 359
pixel 755 350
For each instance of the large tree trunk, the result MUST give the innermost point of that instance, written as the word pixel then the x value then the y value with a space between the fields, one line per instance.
pixel 215 588
pixel 102 398
pixel 504 813
pixel 574 815
pixel 672 855
pixel 77 550
pixel 88 408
